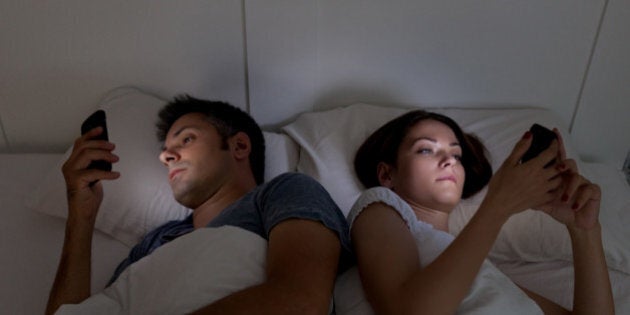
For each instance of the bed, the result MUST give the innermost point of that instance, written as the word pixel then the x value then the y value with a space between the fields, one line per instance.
pixel 532 249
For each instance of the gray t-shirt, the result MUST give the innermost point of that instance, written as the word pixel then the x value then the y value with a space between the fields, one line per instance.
pixel 288 196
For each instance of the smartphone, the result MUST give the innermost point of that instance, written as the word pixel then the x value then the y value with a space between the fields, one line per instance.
pixel 97 119
pixel 541 140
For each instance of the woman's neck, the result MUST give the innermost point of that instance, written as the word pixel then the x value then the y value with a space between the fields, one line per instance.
pixel 437 218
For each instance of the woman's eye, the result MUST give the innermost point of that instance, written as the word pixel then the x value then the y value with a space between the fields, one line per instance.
pixel 457 157
pixel 425 151
pixel 187 139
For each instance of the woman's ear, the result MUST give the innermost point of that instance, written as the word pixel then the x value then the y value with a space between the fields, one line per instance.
pixel 240 145
pixel 384 173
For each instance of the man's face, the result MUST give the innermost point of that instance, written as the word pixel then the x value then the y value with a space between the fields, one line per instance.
pixel 198 164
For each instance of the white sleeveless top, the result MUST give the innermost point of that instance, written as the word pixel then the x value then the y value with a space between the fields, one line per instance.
pixel 492 292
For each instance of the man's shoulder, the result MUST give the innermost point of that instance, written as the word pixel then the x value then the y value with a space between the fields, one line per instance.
pixel 291 178
pixel 291 184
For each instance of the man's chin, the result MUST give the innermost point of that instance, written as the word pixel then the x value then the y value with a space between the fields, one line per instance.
pixel 180 197
pixel 186 203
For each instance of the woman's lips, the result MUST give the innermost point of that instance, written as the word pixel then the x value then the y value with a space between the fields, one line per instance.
pixel 447 178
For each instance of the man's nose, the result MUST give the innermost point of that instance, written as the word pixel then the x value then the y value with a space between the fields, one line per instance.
pixel 168 155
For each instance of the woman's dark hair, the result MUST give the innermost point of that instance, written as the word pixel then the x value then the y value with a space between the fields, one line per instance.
pixel 226 118
pixel 383 145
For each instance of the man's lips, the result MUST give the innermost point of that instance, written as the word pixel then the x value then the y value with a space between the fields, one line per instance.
pixel 174 172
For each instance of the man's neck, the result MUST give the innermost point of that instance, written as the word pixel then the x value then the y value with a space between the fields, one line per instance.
pixel 226 195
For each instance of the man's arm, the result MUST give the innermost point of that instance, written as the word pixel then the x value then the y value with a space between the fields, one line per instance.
pixel 72 282
pixel 85 193
pixel 302 263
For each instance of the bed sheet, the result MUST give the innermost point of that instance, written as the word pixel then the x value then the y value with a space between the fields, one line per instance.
pixel 554 279
pixel 31 242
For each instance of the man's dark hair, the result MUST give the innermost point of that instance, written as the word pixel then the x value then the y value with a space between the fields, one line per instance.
pixel 383 145
pixel 226 118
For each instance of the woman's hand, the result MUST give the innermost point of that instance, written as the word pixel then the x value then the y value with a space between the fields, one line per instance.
pixel 519 186
pixel 83 187
pixel 577 200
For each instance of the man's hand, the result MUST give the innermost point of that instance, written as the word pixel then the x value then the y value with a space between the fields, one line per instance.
pixel 83 187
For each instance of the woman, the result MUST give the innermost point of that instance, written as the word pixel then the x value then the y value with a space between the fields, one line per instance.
pixel 421 164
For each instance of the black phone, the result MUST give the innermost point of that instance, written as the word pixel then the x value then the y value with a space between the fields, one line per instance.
pixel 97 119
pixel 541 140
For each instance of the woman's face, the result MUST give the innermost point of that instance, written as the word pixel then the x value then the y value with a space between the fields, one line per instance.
pixel 429 172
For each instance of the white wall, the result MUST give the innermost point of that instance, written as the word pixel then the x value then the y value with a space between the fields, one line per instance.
pixel 60 57
pixel 305 54
pixel 602 124
pixel 3 143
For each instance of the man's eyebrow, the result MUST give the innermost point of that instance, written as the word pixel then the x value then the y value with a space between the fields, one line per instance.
pixel 177 133
pixel 183 128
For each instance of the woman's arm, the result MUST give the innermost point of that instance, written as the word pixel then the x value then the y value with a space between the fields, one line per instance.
pixel 577 206
pixel 592 292
pixel 390 269
pixel 389 265
pixel 578 209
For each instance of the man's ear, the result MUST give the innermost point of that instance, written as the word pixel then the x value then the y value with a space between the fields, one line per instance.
pixel 384 172
pixel 240 145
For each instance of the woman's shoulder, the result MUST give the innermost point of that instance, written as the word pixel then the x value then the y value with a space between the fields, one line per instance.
pixel 386 196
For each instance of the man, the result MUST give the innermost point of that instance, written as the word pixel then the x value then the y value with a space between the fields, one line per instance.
pixel 214 153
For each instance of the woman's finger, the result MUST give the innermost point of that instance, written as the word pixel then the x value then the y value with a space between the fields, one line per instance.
pixel 584 194
pixel 519 149
pixel 546 156
pixel 572 182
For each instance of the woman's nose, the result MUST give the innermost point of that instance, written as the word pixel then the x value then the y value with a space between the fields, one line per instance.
pixel 447 159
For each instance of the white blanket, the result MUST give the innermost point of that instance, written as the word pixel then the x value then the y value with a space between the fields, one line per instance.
pixel 183 275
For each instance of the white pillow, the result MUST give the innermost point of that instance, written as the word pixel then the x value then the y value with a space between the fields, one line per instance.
pixel 156 285
pixel 141 198
pixel 329 139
